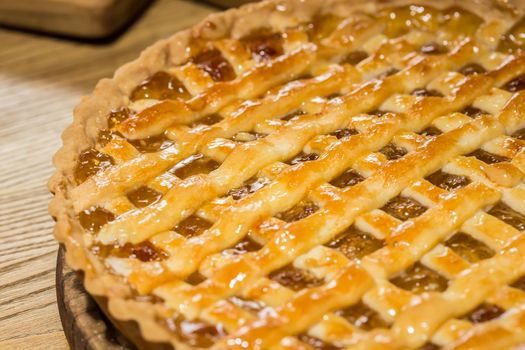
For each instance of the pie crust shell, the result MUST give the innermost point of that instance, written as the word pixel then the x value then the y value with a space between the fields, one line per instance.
pixel 90 116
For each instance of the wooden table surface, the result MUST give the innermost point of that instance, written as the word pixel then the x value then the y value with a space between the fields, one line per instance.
pixel 41 80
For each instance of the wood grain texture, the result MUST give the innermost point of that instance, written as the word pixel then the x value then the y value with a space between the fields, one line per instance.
pixel 41 80
pixel 80 18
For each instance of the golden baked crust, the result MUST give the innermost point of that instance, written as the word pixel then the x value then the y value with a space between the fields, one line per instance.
pixel 355 182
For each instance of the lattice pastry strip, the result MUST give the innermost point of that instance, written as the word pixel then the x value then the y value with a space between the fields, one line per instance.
pixel 446 261
pixel 270 293
pixel 354 187
pixel 453 261
pixel 495 306
pixel 283 100
pixel 504 332
pixel 439 254
pixel 168 153
pixel 299 133
pixel 404 247
pixel 237 314
pixel 319 260
pixel 458 326
pixel 483 285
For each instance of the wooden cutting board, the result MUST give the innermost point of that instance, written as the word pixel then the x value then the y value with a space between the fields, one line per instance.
pixel 89 19
pixel 84 323
pixel 85 318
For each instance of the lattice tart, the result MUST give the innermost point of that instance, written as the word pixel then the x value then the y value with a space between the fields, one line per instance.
pixel 308 175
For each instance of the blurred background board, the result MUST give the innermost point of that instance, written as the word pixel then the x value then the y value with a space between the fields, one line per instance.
pixel 89 19
pixel 86 19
